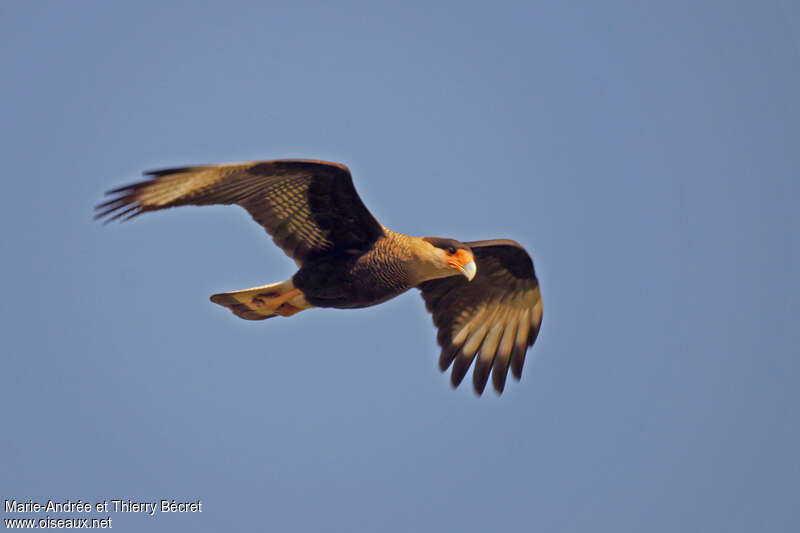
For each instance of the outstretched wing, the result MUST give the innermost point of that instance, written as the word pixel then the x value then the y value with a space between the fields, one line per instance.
pixel 309 207
pixel 497 315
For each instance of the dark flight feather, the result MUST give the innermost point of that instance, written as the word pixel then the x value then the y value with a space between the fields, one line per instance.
pixel 493 319
pixel 310 208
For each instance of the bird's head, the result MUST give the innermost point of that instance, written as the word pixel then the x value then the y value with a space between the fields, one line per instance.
pixel 448 257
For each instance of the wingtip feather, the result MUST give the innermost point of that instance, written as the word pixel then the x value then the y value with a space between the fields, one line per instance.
pixel 446 357
pixel 518 361
pixel 480 375
pixel 460 368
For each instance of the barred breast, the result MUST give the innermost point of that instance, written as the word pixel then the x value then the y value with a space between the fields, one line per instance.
pixel 358 280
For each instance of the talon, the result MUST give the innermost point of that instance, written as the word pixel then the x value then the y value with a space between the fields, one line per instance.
pixel 277 303
pixel 258 303
pixel 262 300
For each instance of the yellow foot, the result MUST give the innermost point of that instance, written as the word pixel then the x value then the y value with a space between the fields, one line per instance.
pixel 258 303
pixel 274 302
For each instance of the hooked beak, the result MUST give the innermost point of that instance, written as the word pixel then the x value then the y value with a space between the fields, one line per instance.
pixel 469 270
pixel 464 262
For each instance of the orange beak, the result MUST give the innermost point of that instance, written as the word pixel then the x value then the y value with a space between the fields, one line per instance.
pixel 464 262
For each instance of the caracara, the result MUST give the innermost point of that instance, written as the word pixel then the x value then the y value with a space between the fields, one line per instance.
pixel 484 295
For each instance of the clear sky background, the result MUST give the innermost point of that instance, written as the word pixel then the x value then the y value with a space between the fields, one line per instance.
pixel 647 156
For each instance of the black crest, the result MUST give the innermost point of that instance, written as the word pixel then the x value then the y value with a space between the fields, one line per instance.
pixel 445 244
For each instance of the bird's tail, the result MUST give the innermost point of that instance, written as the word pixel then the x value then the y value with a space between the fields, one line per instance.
pixel 260 303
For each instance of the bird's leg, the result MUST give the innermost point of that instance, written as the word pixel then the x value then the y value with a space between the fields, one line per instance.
pixel 277 303
pixel 258 303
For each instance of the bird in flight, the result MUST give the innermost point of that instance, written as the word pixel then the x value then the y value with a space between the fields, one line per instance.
pixel 483 295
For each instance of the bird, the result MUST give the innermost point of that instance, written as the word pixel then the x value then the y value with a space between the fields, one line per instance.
pixel 483 296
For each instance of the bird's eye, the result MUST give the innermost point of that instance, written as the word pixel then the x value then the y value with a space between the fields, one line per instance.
pixel 451 250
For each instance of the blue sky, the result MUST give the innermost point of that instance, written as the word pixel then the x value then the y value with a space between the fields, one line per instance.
pixel 646 156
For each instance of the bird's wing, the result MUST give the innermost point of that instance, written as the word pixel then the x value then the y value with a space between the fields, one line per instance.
pixel 497 315
pixel 309 207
